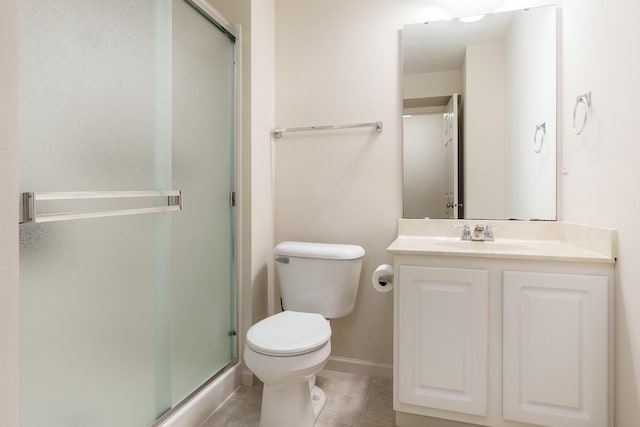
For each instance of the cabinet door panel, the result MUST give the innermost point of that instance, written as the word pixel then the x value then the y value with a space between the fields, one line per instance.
pixel 555 349
pixel 443 327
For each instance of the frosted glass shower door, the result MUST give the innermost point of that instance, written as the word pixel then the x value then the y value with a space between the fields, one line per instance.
pixel 87 287
pixel 203 319
pixel 122 317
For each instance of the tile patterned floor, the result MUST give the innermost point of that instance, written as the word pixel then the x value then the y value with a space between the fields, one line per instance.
pixel 352 401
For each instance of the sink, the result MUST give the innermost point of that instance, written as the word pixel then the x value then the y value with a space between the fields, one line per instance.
pixel 482 246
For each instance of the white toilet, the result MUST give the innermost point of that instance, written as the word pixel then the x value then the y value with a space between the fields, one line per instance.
pixel 318 281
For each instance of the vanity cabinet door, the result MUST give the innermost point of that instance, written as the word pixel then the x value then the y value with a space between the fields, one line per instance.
pixel 555 360
pixel 443 338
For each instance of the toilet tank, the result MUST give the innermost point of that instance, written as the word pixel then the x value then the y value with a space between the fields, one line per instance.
pixel 318 277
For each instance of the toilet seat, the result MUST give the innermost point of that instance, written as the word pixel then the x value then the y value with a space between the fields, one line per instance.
pixel 289 333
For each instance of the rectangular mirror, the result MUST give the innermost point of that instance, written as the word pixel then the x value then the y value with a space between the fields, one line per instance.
pixel 479 117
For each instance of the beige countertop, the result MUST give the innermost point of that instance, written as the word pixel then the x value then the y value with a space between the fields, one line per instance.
pixel 504 248
pixel 555 241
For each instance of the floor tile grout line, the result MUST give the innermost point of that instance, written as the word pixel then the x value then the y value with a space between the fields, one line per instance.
pixel 366 400
pixel 228 399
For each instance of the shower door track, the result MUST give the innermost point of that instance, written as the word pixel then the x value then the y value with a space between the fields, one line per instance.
pixel 184 402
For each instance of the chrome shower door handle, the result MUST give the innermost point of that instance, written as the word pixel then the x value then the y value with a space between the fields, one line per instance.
pixel 29 202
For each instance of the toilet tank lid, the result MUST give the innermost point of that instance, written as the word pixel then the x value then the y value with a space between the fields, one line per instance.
pixel 319 250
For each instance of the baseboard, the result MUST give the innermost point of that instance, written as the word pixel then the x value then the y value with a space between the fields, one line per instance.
pixel 246 376
pixel 203 404
pixel 358 366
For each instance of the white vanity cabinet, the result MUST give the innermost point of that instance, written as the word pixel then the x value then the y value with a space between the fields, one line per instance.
pixel 502 342
pixel 555 343
pixel 443 338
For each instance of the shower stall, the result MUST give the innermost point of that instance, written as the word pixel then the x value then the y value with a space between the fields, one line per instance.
pixel 127 247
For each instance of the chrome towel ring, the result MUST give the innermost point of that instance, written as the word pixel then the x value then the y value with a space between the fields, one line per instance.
pixel 586 100
pixel 541 129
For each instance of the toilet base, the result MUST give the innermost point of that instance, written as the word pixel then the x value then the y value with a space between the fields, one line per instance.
pixel 292 406
pixel 318 399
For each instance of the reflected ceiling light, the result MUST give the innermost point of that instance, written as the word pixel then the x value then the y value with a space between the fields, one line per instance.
pixel 471 18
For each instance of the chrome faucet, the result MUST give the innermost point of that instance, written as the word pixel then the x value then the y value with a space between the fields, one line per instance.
pixel 478 233
pixel 488 233
pixel 482 233
pixel 466 231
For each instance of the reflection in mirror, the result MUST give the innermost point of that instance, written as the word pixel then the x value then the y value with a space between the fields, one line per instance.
pixel 479 117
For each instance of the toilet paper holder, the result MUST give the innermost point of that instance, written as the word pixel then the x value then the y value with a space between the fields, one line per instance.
pixel 383 280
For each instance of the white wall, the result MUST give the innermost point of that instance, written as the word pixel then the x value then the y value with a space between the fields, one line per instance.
pixel 424 160
pixel 484 142
pixel 340 62
pixel 262 116
pixel 600 54
pixel 426 85
pixel 530 90
pixel 9 161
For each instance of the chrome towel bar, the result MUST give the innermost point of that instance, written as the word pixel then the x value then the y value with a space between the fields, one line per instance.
pixel 277 132
pixel 29 202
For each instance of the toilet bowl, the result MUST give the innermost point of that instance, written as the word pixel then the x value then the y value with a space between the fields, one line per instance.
pixel 318 281
pixel 286 351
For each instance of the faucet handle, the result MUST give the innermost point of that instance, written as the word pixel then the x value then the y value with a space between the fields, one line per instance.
pixel 488 232
pixel 466 231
